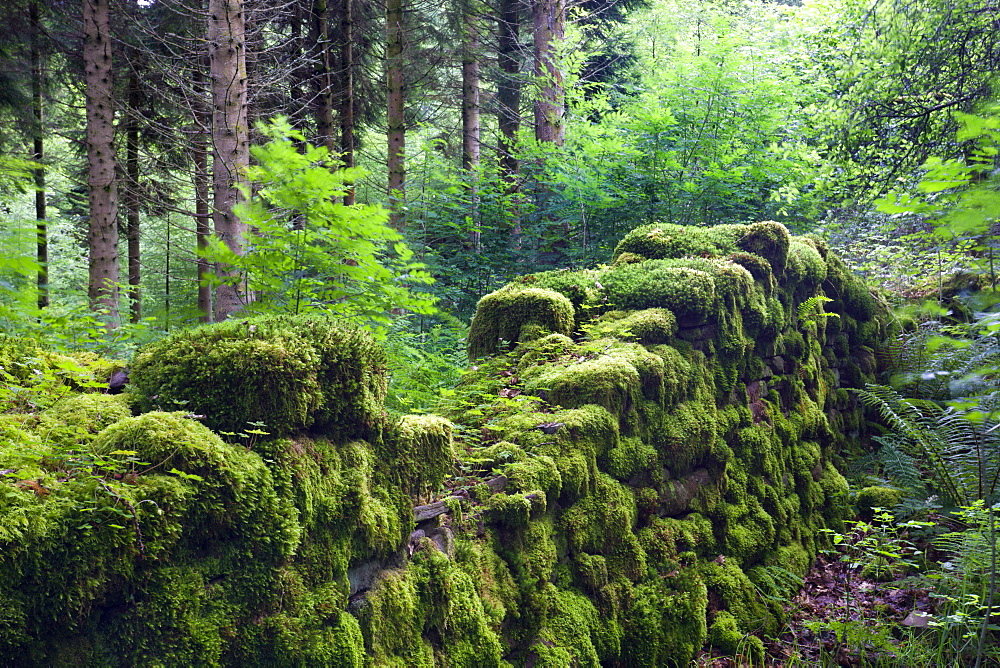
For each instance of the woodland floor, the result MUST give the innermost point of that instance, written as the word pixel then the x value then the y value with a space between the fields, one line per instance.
pixel 834 592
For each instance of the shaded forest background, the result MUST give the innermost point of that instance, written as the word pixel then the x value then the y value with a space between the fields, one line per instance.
pixel 502 138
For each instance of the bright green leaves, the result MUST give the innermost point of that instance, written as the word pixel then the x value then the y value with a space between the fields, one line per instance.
pixel 306 251
pixel 960 197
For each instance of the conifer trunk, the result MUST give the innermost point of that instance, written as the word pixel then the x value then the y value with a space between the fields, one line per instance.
pixel 102 238
pixel 347 90
pixel 549 18
pixel 470 113
pixel 509 89
pixel 230 139
pixel 38 155
pixel 319 37
pixel 202 210
pixel 132 199
pixel 396 120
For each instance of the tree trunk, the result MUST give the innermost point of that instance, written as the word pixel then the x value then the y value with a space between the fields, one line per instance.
pixel 470 112
pixel 132 198
pixel 38 155
pixel 323 79
pixel 299 78
pixel 230 140
pixel 549 23
pixel 395 111
pixel 470 87
pixel 202 213
pixel 509 89
pixel 347 90
pixel 102 239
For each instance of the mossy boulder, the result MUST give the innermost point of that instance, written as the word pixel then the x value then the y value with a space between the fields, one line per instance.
pixel 661 241
pixel 77 418
pixel 870 498
pixel 281 374
pixel 666 623
pixel 688 293
pixel 510 315
pixel 422 449
pixel 650 326
pixel 770 241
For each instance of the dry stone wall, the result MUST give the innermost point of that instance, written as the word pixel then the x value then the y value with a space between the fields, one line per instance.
pixel 646 455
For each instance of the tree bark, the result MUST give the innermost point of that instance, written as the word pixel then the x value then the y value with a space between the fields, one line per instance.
pixel 132 199
pixel 230 140
pixel 299 78
pixel 319 37
pixel 202 212
pixel 470 87
pixel 396 120
pixel 347 90
pixel 102 238
pixel 38 155
pixel 509 89
pixel 470 112
pixel 549 22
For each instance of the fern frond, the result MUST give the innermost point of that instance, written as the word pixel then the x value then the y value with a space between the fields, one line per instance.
pixel 898 466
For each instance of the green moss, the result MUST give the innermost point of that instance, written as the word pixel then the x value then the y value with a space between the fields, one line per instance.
pixel 579 287
pixel 77 418
pixel 19 357
pixel 608 381
pixel 805 267
pixel 769 240
pixel 747 531
pixel 849 292
pixel 178 622
pixel 628 258
pixel 544 350
pixel 511 510
pixel 665 240
pixel 452 611
pixel 724 634
pixel 649 327
pixel 502 315
pixel 601 523
pixel 289 373
pixel 758 267
pixel 631 457
pixel 289 641
pixel 665 624
pixel 534 473
pixel 689 293
pixel 835 489
pixel 735 592
pixel 235 511
pixel 876 496
pixel 423 446
pixel 687 435
pixel 583 435
pixel 393 623
pixel 352 373
pixel 497 590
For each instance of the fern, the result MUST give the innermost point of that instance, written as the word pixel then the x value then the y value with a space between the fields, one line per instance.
pixel 902 469
pixel 960 447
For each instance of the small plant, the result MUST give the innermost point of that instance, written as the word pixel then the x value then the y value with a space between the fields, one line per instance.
pixel 305 252
pixel 811 310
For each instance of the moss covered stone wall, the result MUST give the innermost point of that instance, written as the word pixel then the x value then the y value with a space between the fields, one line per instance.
pixel 648 452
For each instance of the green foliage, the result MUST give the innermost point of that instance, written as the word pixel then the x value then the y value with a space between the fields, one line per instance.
pixel 900 70
pixel 306 252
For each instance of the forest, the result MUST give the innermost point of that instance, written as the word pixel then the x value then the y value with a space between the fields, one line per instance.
pixel 499 333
